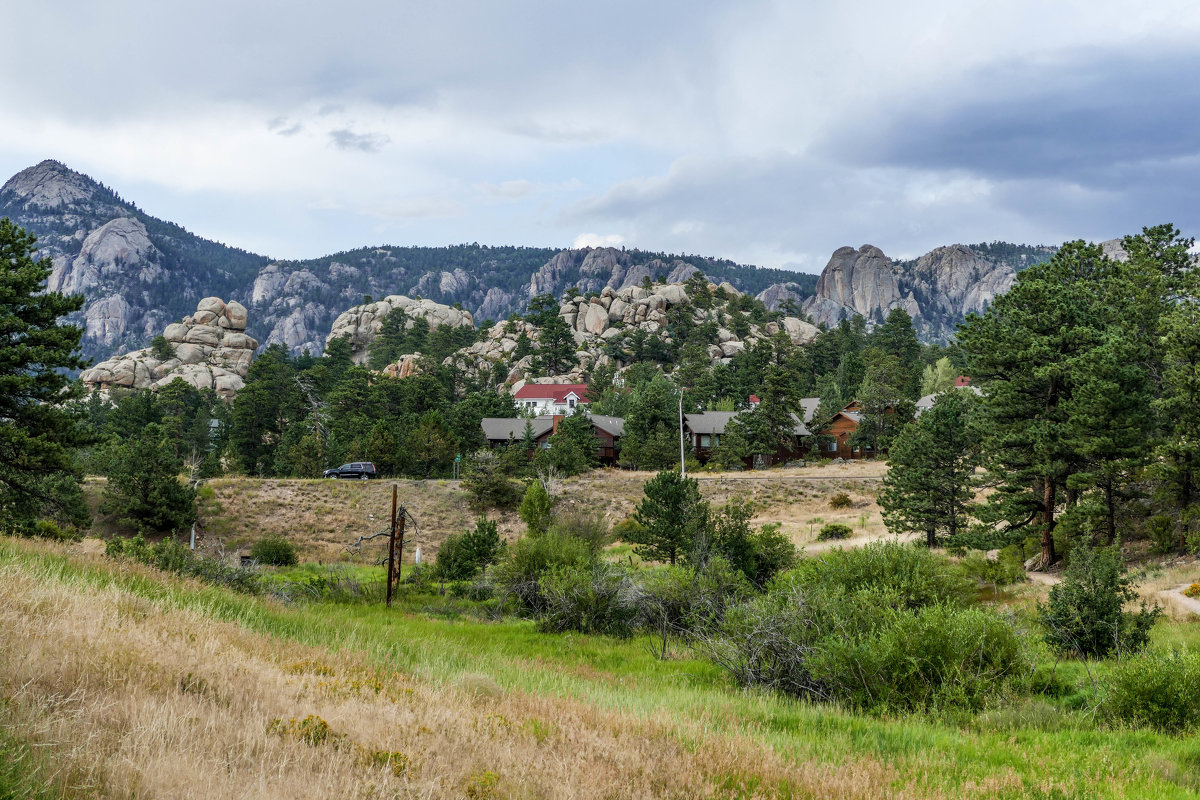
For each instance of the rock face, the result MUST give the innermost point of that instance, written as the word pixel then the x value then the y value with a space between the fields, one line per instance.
pixel 613 314
pixel 937 290
pixel 362 324
pixel 211 351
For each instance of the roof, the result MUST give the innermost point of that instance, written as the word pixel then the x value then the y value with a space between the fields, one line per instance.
pixel 501 429
pixel 613 425
pixel 926 402
pixel 800 429
pixel 552 391
pixel 810 405
pixel 709 422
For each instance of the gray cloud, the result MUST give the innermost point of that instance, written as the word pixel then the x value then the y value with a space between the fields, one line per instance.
pixel 345 139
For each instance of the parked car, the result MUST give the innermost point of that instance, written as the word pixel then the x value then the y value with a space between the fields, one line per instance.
pixel 362 470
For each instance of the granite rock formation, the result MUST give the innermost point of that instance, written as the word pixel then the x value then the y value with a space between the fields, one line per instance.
pixel 211 351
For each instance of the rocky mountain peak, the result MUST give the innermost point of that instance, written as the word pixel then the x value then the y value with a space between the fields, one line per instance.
pixel 50 185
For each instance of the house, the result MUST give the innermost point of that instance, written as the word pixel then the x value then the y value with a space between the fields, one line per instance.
pixel 835 440
pixel 503 431
pixel 704 431
pixel 548 399
pixel 962 382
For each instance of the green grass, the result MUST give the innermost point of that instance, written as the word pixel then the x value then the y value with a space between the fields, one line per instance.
pixel 22 774
pixel 1075 758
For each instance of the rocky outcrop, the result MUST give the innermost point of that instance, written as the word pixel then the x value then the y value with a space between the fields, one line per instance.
pixel 210 350
pixel 937 290
pixel 596 321
pixel 361 324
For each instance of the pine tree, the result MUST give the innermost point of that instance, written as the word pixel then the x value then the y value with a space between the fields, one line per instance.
pixel 931 465
pixel 39 432
pixel 671 515
pixel 144 489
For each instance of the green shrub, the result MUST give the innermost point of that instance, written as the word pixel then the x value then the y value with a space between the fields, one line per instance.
pixel 1086 614
pixel 535 507
pixel 840 500
pixel 684 600
pixel 464 555
pixel 910 577
pixel 834 530
pixel 1157 689
pixel 1003 571
pixel 587 528
pixel 1161 529
pixel 627 528
pixel 834 646
pixel 162 349
pixel 275 551
pixel 518 573
pixel 596 598
pixel 175 557
pixel 488 483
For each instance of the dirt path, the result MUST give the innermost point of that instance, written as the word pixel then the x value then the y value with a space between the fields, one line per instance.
pixel 1177 599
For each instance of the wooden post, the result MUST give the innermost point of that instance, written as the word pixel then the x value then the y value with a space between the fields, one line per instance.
pixel 391 564
pixel 400 543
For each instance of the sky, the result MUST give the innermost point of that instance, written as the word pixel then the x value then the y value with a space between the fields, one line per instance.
pixel 769 133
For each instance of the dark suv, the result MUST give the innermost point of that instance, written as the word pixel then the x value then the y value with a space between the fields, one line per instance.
pixel 363 470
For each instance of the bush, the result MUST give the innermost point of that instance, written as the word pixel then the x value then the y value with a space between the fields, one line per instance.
pixel 684 600
pixel 834 530
pixel 161 349
pixel 1193 590
pixel 840 500
pixel 535 507
pixel 1003 571
pixel 802 641
pixel 1085 613
pixel 464 555
pixel 627 530
pixel 275 551
pixel 1157 689
pixel 489 485
pixel 174 557
pixel 518 574
pixel 594 598
pixel 906 576
pixel 590 529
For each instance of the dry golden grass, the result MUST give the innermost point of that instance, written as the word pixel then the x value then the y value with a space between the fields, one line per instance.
pixel 323 516
pixel 132 698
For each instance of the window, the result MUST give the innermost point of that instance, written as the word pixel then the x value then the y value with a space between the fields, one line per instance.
pixel 833 445
pixel 571 403
pixel 704 440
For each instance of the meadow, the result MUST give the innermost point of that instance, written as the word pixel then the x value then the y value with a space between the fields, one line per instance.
pixel 117 680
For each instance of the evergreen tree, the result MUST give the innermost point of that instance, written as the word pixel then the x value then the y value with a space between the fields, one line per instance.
pixel 882 399
pixel 931 466
pixel 1022 351
pixel 144 489
pixel 556 347
pixel 536 507
pixel 671 515
pixel 39 431
pixel 572 446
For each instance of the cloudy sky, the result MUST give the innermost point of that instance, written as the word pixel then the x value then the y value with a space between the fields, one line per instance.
pixel 766 132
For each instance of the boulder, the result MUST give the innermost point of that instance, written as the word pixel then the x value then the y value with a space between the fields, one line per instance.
pixel 208 335
pixel 596 319
pixel 175 332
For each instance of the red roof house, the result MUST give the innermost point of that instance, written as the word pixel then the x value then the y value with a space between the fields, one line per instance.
pixel 551 398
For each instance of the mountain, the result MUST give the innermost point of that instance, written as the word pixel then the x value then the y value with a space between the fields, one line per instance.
pixel 139 273
pixel 937 290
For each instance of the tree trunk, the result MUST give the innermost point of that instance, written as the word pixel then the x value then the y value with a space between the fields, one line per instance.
pixel 1048 554
pixel 931 537
pixel 1110 517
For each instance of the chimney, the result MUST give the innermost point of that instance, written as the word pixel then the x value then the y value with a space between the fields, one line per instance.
pixel 556 418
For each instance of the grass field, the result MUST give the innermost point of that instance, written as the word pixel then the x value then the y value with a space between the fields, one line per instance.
pixel 116 681
pixel 323 516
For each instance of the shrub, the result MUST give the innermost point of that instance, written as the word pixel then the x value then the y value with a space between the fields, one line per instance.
pixel 840 500
pixel 759 555
pixel 909 577
pixel 1086 614
pixel 801 641
pixel 274 550
pixel 161 349
pixel 627 530
pixel 174 557
pixel 1161 529
pixel 1003 571
pixel 1157 689
pixel 519 572
pixel 834 530
pixel 684 600
pixel 596 598
pixel 587 528
pixel 1193 590
pixel 464 555
pixel 535 507
pixel 489 485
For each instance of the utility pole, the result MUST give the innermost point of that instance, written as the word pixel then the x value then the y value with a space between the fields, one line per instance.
pixel 391 564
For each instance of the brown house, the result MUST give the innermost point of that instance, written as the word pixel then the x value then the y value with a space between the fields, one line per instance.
pixel 704 432
pixel 503 431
